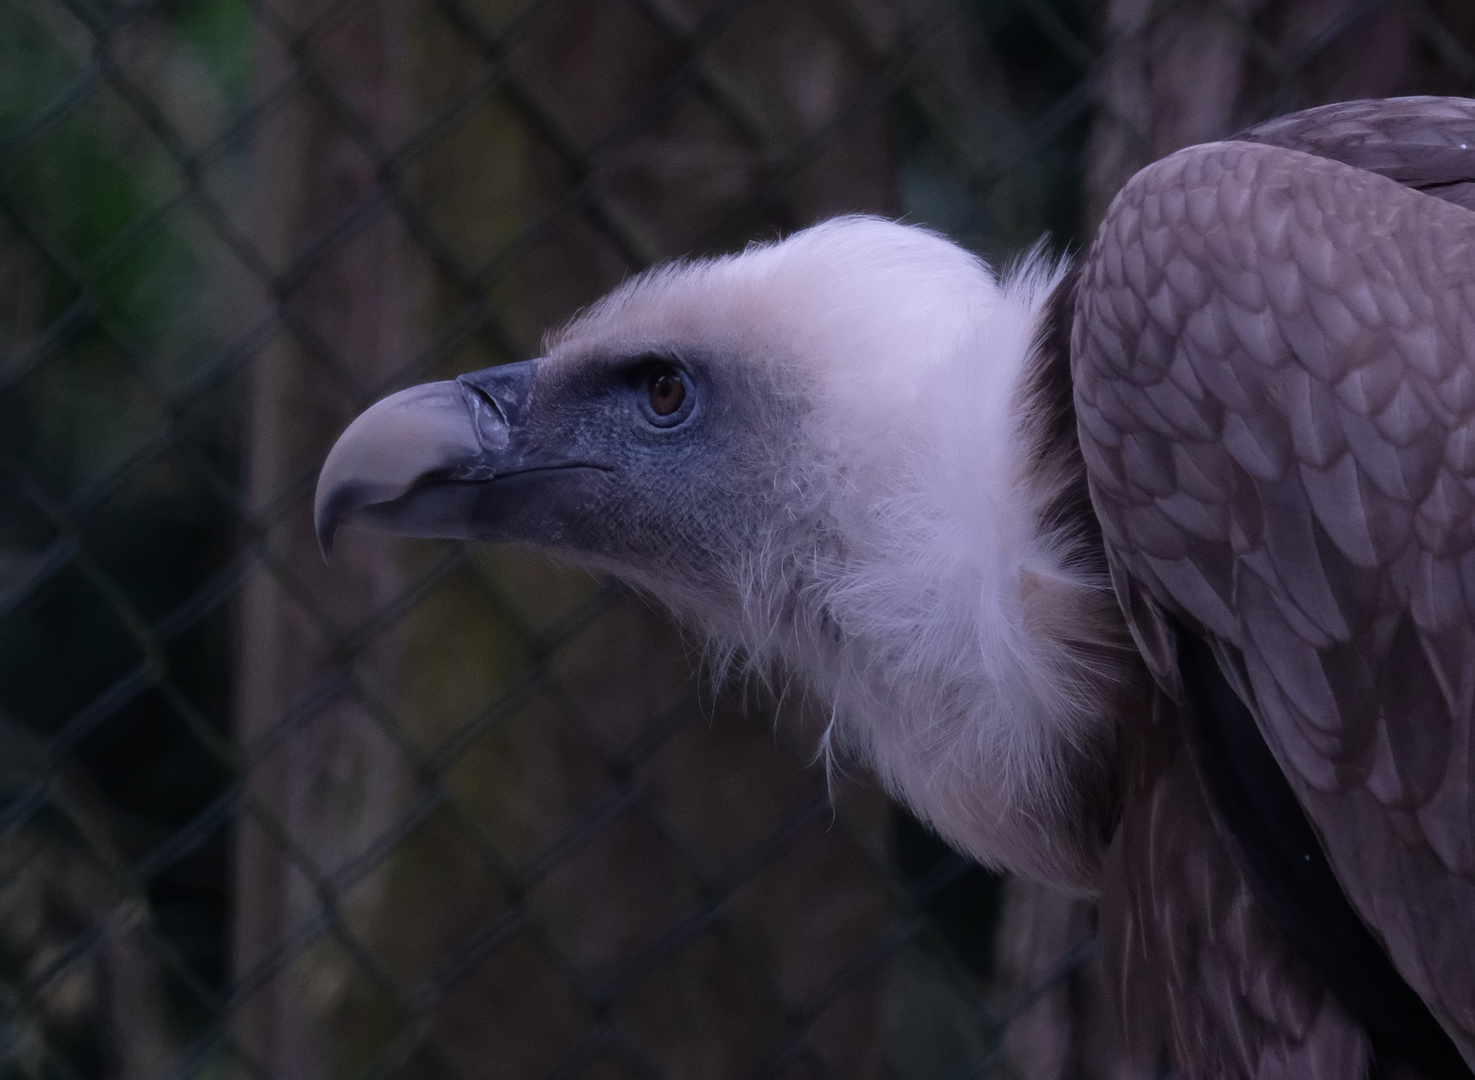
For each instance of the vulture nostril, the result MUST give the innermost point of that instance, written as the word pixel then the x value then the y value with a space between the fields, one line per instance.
pixel 493 429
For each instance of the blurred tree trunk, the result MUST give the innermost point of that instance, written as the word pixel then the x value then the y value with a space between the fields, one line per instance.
pixel 1176 74
pixel 322 775
pixel 561 892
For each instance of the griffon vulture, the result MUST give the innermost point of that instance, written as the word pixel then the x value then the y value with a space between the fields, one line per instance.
pixel 1151 575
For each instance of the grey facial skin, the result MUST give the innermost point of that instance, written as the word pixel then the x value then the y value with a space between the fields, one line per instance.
pixel 567 454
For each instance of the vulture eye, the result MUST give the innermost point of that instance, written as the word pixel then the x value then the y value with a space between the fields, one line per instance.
pixel 666 390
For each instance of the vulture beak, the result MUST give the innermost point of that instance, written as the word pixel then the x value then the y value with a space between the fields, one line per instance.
pixel 419 462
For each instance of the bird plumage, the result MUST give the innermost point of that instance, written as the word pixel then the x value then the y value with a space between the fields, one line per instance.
pixel 985 518
pixel 907 573
pixel 1286 475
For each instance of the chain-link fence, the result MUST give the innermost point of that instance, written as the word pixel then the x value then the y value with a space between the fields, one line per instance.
pixel 445 811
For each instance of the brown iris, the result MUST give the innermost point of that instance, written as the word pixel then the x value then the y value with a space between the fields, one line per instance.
pixel 667 392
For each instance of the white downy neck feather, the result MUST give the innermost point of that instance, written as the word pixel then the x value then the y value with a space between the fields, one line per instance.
pixel 910 585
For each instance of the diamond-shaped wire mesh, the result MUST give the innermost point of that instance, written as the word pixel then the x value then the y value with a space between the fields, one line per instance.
pixel 445 811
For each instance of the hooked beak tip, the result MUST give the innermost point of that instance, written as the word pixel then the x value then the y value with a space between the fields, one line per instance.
pixel 333 504
pixel 388 452
pixel 336 500
pixel 413 462
pixel 325 533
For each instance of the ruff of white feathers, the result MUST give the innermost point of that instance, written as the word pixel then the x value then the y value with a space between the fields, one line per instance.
pixel 908 585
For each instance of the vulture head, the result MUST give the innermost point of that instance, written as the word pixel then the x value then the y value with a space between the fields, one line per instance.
pixel 822 453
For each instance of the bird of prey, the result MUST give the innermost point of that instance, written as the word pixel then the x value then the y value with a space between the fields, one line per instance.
pixel 1151 574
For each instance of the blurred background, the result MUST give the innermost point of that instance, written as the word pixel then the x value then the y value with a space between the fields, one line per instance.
pixel 444 811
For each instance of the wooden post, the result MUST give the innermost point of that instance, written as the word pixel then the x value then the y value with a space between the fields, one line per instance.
pixel 314 759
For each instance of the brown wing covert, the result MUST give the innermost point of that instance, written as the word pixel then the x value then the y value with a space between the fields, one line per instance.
pixel 1274 361
pixel 1426 143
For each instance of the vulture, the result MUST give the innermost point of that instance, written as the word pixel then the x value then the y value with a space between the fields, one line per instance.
pixel 1149 574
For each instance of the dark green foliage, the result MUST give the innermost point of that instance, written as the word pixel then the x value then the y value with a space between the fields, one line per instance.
pixel 111 525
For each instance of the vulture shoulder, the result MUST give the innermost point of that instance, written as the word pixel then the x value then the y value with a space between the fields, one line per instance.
pixel 1273 355
pixel 1422 142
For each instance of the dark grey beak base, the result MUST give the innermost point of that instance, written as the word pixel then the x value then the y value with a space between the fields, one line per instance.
pixel 416 462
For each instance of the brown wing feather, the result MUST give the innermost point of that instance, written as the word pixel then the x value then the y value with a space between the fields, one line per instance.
pixel 1191 952
pixel 1274 360
pixel 1422 142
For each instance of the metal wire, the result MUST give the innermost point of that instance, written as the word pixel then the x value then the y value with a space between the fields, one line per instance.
pixel 685 897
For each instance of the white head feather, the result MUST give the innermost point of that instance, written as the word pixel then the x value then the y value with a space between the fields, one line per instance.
pixel 909 582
